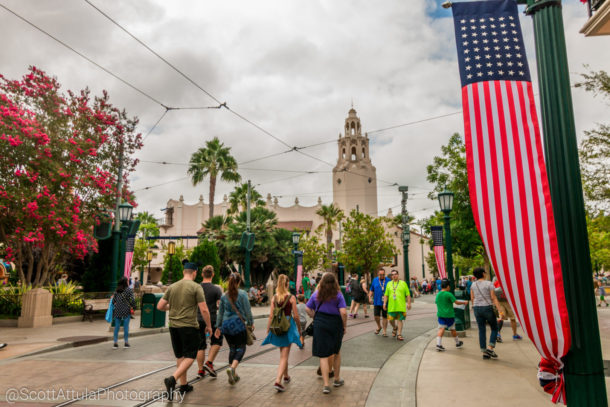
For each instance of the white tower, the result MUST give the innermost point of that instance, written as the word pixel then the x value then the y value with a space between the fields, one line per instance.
pixel 354 176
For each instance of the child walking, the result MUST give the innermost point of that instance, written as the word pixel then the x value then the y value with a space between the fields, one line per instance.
pixel 446 315
pixel 601 291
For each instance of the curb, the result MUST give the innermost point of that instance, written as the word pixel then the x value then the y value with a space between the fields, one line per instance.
pixel 136 334
pixel 384 388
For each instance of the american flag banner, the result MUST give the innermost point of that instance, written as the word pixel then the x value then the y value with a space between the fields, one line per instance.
pixel 439 249
pixel 299 275
pixel 129 247
pixel 507 177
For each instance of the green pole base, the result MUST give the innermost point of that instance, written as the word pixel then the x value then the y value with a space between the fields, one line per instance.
pixel 584 390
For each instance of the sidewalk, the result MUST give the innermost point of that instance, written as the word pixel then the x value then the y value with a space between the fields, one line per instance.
pixel 30 341
pixel 462 376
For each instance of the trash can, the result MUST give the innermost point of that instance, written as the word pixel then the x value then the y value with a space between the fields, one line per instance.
pixel 151 317
pixel 462 316
pixel 348 298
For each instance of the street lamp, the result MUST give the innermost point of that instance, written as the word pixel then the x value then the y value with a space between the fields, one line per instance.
pixel 445 200
pixel 120 231
pixel 149 257
pixel 171 250
pixel 295 241
pixel 406 233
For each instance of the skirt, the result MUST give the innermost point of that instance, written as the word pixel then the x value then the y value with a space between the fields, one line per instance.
pixel 327 334
pixel 292 336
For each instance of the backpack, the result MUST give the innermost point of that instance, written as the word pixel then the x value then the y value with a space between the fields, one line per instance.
pixel 279 323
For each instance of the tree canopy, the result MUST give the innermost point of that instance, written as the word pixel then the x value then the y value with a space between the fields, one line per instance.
pixel 59 154
pixel 238 199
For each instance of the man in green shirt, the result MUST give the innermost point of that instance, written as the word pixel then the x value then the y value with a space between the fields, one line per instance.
pixel 397 300
pixel 182 299
pixel 446 315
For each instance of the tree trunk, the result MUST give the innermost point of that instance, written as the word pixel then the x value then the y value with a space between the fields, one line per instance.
pixel 212 192
pixel 329 240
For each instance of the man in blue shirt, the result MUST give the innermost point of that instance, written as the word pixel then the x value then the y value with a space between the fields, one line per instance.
pixel 376 293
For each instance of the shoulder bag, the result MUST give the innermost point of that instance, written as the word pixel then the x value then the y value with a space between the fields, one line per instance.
pixel 250 337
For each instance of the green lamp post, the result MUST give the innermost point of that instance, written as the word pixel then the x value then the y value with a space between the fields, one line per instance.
pixel 406 232
pixel 118 256
pixel 295 241
pixel 171 251
pixel 445 200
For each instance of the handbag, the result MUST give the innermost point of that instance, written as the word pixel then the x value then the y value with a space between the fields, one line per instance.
pixel 309 330
pixel 250 337
pixel 110 310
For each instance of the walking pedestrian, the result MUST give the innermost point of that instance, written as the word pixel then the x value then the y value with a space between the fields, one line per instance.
pixel 446 315
pixel 505 312
pixel 122 302
pixel 601 291
pixel 376 294
pixel 287 302
pixel 396 301
pixel 483 298
pixel 306 283
pixel 327 307
pixel 212 294
pixel 234 317
pixel 354 292
pixel 364 295
pixel 302 309
pixel 182 299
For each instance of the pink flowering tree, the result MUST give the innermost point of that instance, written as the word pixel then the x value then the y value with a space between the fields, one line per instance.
pixel 58 168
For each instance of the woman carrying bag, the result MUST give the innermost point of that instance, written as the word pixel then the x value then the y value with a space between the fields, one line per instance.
pixel 287 302
pixel 235 320
pixel 122 304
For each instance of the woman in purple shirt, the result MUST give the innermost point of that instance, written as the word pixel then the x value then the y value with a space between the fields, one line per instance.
pixel 327 307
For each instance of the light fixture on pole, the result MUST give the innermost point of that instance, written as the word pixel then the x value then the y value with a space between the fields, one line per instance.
pixel 295 241
pixel 445 200
pixel 122 216
pixel 406 233
pixel 171 250
pixel 149 257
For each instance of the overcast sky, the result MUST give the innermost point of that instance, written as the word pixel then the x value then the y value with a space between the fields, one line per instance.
pixel 292 67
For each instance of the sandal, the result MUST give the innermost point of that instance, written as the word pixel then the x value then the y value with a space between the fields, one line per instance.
pixel 394 332
pixel 385 335
pixel 377 331
pixel 400 338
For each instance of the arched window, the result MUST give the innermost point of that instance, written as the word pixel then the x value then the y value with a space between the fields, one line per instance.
pixel 344 154
pixel 353 126
pixel 354 157
pixel 363 153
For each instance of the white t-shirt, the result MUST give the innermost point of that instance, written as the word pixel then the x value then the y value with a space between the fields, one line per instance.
pixel 482 293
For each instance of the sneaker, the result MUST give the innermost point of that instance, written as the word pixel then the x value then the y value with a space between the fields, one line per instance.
pixel 201 373
pixel 440 348
pixel 286 379
pixel 517 337
pixel 115 346
pixel 459 344
pixel 209 367
pixel 185 388
pixel 499 339
pixel 2 345
pixel 486 356
pixel 127 345
pixel 279 388
pixel 326 390
pixel 338 383
pixel 237 378
pixel 491 353
pixel 170 386
pixel 231 374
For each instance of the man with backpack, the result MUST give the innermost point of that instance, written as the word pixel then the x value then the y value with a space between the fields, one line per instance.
pixel 504 312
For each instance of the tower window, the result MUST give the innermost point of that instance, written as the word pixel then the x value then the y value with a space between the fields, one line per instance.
pixel 344 154
pixel 370 180
pixel 354 157
pixel 338 180
pixel 363 153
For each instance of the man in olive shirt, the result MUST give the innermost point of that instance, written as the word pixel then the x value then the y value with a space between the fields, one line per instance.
pixel 182 299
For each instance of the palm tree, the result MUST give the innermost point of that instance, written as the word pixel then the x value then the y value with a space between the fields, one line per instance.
pixel 239 198
pixel 331 215
pixel 213 160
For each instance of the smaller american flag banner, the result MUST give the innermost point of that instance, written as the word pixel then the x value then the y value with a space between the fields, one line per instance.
pixel 439 250
pixel 129 247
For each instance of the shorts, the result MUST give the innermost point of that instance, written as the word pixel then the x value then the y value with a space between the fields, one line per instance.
pixel 378 311
pixel 506 310
pixel 397 316
pixel 446 322
pixel 184 342
pixel 213 339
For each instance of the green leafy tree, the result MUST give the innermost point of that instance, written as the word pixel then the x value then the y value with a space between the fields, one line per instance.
pixel 204 254
pixel 272 247
pixel 175 264
pixel 330 214
pixel 238 199
pixel 366 244
pixel 314 253
pixel 599 241
pixel 215 230
pixel 212 161
pixel 449 171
